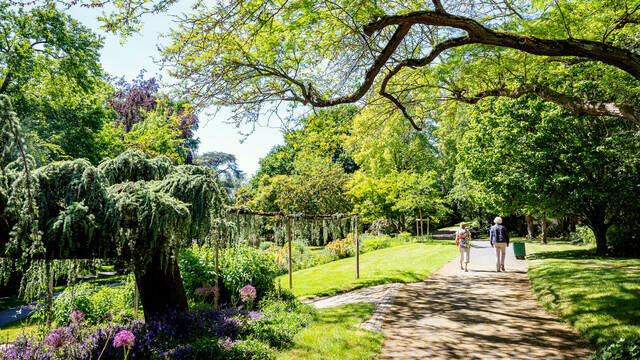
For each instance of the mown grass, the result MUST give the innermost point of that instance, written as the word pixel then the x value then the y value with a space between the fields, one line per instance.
pixel 336 335
pixel 11 331
pixel 405 263
pixel 599 296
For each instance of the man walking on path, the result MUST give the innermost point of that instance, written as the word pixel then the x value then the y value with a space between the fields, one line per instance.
pixel 499 237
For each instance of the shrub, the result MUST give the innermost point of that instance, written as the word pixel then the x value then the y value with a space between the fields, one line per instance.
pixel 281 321
pixel 342 248
pixel 623 349
pixel 93 302
pixel 243 265
pixel 404 236
pixel 76 297
pixel 197 268
pixel 381 227
pixel 582 235
pixel 375 243
pixel 623 241
pixel 249 349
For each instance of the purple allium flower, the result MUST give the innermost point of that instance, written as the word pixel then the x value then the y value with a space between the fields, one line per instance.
pixel 248 293
pixel 254 315
pixel 226 343
pixel 77 316
pixel 124 338
pixel 206 290
pixel 54 339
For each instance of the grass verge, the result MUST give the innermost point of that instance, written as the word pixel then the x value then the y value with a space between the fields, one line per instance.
pixel 599 296
pixel 336 335
pixel 404 263
pixel 11 331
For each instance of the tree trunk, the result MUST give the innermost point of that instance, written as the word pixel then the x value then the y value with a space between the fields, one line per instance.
pixel 544 228
pixel 596 221
pixel 161 289
pixel 600 232
pixel 531 230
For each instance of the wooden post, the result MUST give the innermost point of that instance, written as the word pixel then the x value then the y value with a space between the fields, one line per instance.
pixel 357 250
pixel 216 295
pixel 421 227
pixel 289 241
pixel 135 300
pixel 417 234
pixel 427 227
pixel 50 295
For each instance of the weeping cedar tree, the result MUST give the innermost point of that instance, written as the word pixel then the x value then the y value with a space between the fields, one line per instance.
pixel 131 206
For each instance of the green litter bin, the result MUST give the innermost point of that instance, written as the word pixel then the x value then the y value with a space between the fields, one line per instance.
pixel 518 250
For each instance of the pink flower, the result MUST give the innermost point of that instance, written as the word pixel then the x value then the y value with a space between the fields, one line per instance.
pixel 77 316
pixel 54 339
pixel 254 315
pixel 226 343
pixel 206 290
pixel 124 338
pixel 248 293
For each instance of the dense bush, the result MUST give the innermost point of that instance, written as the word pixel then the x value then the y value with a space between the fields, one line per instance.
pixel 197 268
pixel 371 243
pixel 624 240
pixel 239 266
pixel 244 265
pixel 582 235
pixel 94 303
pixel 280 320
pixel 381 227
pixel 301 257
pixel 623 349
pixel 342 248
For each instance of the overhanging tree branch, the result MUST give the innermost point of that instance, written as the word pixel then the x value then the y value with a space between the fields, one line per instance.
pixel 621 58
pixel 578 105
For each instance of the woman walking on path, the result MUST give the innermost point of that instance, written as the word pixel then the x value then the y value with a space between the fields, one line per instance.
pixel 463 240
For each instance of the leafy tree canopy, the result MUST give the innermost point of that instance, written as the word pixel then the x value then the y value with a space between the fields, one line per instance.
pixel 532 154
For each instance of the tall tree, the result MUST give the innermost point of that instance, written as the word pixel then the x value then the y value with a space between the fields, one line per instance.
pixel 133 207
pixel 226 166
pixel 528 153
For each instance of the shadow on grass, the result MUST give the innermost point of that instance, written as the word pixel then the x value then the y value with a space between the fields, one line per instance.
pixel 600 296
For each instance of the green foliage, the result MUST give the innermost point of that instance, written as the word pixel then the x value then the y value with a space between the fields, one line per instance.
pixel 622 349
pixel 243 265
pixel 94 302
pixel 623 240
pixel 158 134
pixel 582 235
pixel 282 320
pixel 197 268
pixel 249 349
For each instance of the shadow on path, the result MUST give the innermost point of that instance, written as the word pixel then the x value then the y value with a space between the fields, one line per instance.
pixel 480 314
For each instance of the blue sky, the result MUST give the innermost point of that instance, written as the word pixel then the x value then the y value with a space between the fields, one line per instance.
pixel 138 53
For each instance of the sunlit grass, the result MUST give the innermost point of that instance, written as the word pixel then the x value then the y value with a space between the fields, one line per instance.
pixel 336 335
pixel 11 331
pixel 599 296
pixel 405 263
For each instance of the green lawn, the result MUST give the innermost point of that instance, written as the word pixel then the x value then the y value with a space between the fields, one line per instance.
pixel 11 331
pixel 404 263
pixel 336 335
pixel 599 296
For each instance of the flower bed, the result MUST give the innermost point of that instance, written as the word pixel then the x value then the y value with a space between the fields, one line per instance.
pixel 205 333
